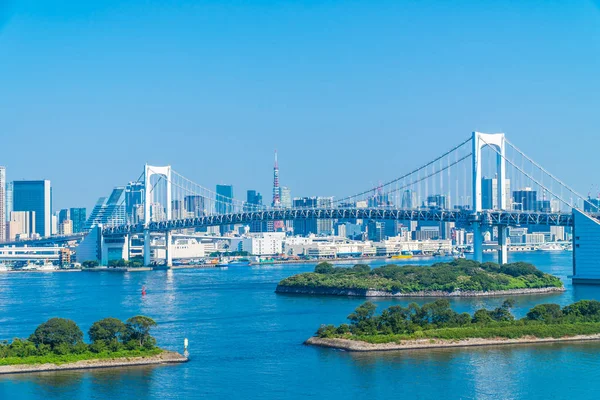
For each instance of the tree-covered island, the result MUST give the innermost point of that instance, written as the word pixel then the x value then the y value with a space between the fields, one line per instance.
pixel 456 278
pixel 58 344
pixel 437 325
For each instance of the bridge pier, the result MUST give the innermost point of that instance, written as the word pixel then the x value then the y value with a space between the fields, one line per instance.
pixel 477 243
pixel 147 255
pixel 168 250
pixel 502 245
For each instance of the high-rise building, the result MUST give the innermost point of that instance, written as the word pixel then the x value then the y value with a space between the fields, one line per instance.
pixel 134 197
pixel 324 226
pixel 409 199
pixel 224 199
pixel 591 205
pixel 305 227
pixel 254 203
pixel 109 211
pixel 436 201
pixel 21 224
pixel 2 204
pixel 489 194
pixel 65 227
pixel 195 206
pixel 286 197
pixel 376 230
pixel 78 216
pixel 64 215
pixel 35 196
pixel 525 199
pixel 9 199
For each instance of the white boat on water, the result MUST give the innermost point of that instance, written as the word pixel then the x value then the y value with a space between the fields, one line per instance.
pixel 550 247
pixel 47 267
pixel 4 268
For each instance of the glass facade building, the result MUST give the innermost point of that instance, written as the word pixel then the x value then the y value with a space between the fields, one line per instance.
pixel 78 216
pixel 35 196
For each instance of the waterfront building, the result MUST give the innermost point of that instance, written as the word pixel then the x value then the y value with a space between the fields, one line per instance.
pixel 35 196
pixel 109 211
pixel 2 204
pixel 263 244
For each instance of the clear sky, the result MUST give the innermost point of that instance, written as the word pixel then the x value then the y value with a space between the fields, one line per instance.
pixel 349 92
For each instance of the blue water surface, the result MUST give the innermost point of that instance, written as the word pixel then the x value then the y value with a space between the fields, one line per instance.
pixel 246 341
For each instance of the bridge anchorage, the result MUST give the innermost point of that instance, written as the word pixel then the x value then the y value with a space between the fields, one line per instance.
pixel 484 187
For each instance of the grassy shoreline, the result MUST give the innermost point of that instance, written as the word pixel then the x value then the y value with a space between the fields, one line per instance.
pixel 71 358
pixel 457 278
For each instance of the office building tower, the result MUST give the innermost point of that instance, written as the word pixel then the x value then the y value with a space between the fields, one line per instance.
pixel 78 216
pixel 254 203
pixel 35 196
pixel 21 225
pixel 525 199
pixel 591 205
pixel 134 197
pixel 305 227
pixel 194 206
pixel 489 194
pixel 376 230
pixel 324 226
pixel 409 199
pixel 224 203
pixel 436 201
pixel 9 199
pixel 285 197
pixel 2 204
pixel 64 215
pixel 66 227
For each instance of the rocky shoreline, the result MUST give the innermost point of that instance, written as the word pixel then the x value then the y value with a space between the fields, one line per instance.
pixel 166 357
pixel 360 346
pixel 327 291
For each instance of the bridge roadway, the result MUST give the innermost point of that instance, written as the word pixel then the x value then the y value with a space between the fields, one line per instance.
pixel 466 217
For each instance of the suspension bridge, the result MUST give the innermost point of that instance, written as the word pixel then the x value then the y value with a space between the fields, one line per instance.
pixel 469 185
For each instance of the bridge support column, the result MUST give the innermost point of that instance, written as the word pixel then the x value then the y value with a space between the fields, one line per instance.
pixel 477 243
pixel 502 245
pixel 168 250
pixel 147 255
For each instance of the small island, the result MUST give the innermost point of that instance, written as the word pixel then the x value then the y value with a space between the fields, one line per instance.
pixel 436 325
pixel 58 344
pixel 458 278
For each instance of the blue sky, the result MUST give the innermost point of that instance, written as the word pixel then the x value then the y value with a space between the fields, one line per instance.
pixel 350 92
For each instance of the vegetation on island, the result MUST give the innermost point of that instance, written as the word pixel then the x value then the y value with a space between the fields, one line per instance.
pixel 437 320
pixel 458 275
pixel 60 341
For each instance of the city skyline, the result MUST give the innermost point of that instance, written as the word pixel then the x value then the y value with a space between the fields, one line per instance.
pixel 361 72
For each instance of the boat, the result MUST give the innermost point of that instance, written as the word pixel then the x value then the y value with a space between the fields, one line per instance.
pixel 4 268
pixel 550 247
pixel 48 266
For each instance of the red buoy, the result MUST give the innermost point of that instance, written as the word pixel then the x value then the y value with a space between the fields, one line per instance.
pixel 143 290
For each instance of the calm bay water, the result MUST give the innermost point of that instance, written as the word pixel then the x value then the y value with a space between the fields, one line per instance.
pixel 246 341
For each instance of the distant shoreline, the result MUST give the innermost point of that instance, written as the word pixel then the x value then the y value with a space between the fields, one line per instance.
pixel 360 346
pixel 166 357
pixel 326 291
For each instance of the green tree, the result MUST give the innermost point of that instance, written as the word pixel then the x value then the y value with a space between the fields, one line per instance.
pixel 362 268
pixel 138 329
pixel 90 264
pixel 545 312
pixel 57 331
pixel 363 312
pixel 107 329
pixel 482 316
pixel 324 268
